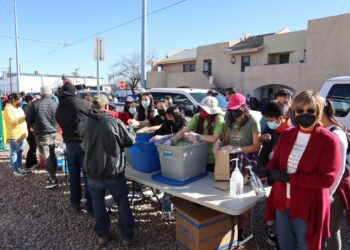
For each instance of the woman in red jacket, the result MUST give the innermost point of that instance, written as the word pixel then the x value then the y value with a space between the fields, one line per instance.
pixel 304 166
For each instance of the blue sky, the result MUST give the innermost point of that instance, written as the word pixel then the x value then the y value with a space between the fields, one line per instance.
pixel 187 25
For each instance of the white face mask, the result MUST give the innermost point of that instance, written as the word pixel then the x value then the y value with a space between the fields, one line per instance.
pixel 273 125
pixel 145 104
pixel 132 111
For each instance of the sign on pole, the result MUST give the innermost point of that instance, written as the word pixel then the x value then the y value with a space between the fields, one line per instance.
pixel 99 49
pixel 122 85
pixel 211 80
pixel 99 55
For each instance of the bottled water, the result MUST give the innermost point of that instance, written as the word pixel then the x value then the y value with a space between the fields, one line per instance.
pixel 167 208
pixel 256 183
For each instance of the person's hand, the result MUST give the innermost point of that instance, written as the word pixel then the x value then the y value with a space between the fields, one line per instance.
pixel 261 172
pixel 265 138
pixel 279 175
pixel 133 123
pixel 156 138
pixel 143 130
pixel 169 142
pixel 193 137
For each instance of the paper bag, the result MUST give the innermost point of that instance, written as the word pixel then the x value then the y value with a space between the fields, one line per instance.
pixel 222 165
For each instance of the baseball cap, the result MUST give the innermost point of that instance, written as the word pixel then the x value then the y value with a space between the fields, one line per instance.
pixel 236 101
pixel 100 100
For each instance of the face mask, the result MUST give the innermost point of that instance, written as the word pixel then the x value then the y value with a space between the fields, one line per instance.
pixel 285 108
pixel 305 120
pixel 132 111
pixel 145 104
pixel 204 115
pixel 273 125
pixel 161 112
pixel 236 113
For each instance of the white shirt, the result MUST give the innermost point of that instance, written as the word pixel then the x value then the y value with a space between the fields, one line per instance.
pixel 296 154
pixel 343 142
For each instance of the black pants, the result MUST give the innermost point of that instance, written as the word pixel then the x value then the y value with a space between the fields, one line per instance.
pixel 31 154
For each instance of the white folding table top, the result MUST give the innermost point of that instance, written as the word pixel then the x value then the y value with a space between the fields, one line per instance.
pixel 202 192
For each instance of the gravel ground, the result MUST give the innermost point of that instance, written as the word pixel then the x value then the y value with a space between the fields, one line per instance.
pixel 34 218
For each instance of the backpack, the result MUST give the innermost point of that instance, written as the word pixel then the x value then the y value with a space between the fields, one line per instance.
pixel 348 149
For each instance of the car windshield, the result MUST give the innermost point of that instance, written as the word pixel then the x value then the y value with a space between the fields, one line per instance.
pixel 221 99
pixel 340 96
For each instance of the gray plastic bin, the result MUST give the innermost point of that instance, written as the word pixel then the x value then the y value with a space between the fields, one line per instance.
pixel 182 163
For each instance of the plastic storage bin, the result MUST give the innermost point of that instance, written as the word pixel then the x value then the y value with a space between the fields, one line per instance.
pixel 144 137
pixel 144 157
pixel 183 162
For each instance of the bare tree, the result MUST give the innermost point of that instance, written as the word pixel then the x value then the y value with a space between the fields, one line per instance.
pixel 128 69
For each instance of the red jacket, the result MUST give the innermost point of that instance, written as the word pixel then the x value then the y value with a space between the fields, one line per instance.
pixel 317 170
pixel 123 116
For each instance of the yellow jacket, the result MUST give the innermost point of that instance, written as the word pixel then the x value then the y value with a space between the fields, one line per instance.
pixel 16 126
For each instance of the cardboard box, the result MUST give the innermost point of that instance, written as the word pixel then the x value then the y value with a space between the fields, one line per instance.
pixel 201 228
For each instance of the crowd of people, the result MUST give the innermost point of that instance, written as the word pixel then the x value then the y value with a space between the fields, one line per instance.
pixel 302 151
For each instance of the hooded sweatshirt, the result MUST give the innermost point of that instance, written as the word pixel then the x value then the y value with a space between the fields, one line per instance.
pixel 104 139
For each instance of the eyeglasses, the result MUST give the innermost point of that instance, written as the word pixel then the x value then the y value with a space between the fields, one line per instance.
pixel 302 111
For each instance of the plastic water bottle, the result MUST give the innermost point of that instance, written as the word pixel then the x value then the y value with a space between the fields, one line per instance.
pixel 167 208
pixel 236 181
pixel 256 183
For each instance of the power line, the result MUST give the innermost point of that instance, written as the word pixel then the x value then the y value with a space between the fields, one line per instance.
pixel 35 40
pixel 103 31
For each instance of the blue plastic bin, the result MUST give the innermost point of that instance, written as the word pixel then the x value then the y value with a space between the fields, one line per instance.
pixel 144 137
pixel 144 157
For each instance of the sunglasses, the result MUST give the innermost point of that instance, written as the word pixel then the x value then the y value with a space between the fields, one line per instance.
pixel 302 111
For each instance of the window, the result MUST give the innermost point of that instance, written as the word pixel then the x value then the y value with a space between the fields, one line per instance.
pixel 245 61
pixel 189 67
pixel 207 67
pixel 284 58
pixel 340 96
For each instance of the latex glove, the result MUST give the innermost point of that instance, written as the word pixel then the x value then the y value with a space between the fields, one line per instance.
pixel 261 172
pixel 156 138
pixel 169 142
pixel 193 137
pixel 279 175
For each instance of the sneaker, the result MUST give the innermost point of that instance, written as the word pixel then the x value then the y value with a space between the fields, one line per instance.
pixel 103 240
pixel 272 240
pixel 51 185
pixel 32 168
pixel 18 174
pixel 23 170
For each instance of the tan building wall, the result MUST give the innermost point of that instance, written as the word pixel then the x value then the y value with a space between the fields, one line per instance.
pixel 328 50
pixel 316 54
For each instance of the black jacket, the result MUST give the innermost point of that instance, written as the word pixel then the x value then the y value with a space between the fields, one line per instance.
pixel 41 116
pixel 104 139
pixel 169 127
pixel 70 111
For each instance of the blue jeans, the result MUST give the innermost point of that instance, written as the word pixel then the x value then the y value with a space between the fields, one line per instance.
pixel 75 159
pixel 119 190
pixel 16 147
pixel 291 233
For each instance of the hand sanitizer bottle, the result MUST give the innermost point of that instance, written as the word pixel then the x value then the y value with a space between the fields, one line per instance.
pixel 236 181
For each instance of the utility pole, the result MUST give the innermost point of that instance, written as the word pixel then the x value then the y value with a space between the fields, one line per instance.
pixel 10 69
pixel 76 76
pixel 143 44
pixel 16 36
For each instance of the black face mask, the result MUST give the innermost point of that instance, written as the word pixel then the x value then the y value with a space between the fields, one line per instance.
pixel 305 120
pixel 236 113
pixel 161 112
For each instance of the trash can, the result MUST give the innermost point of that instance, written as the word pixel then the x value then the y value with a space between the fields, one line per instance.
pixel 144 157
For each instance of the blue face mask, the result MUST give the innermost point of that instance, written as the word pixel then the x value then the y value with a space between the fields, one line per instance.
pixel 273 125
pixel 236 113
pixel 145 104
pixel 132 111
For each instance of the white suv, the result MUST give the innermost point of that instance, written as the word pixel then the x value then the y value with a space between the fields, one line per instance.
pixel 337 90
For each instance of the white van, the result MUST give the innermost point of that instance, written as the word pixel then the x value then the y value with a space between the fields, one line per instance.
pixel 337 90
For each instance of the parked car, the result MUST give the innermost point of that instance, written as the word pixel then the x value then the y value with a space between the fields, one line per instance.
pixel 337 90
pixel 187 100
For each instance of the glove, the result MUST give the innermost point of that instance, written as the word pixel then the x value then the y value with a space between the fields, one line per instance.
pixel 279 175
pixel 169 142
pixel 261 172
pixel 193 137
